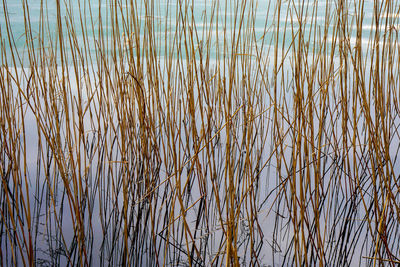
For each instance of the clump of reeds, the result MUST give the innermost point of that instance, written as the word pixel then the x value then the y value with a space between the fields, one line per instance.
pixel 145 133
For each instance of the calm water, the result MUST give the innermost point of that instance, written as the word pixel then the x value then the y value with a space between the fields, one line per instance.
pixel 265 27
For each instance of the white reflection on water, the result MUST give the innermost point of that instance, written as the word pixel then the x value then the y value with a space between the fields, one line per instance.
pixel 269 176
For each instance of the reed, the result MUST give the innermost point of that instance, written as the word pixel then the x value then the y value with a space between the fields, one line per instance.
pixel 197 133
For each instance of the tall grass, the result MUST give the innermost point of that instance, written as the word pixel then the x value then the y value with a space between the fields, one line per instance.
pixel 173 133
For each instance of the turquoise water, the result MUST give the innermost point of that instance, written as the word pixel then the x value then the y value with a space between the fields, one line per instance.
pixel 266 28
pixel 264 32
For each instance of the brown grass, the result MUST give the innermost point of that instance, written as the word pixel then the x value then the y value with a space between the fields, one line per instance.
pixel 143 134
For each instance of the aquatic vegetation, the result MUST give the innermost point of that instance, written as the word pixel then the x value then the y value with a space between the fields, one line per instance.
pixel 205 133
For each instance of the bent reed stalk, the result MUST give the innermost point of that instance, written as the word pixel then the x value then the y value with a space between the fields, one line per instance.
pixel 198 133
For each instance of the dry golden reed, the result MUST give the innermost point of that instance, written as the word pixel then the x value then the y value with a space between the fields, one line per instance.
pixel 183 133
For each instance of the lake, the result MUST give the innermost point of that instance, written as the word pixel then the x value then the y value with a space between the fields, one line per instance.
pixel 205 133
